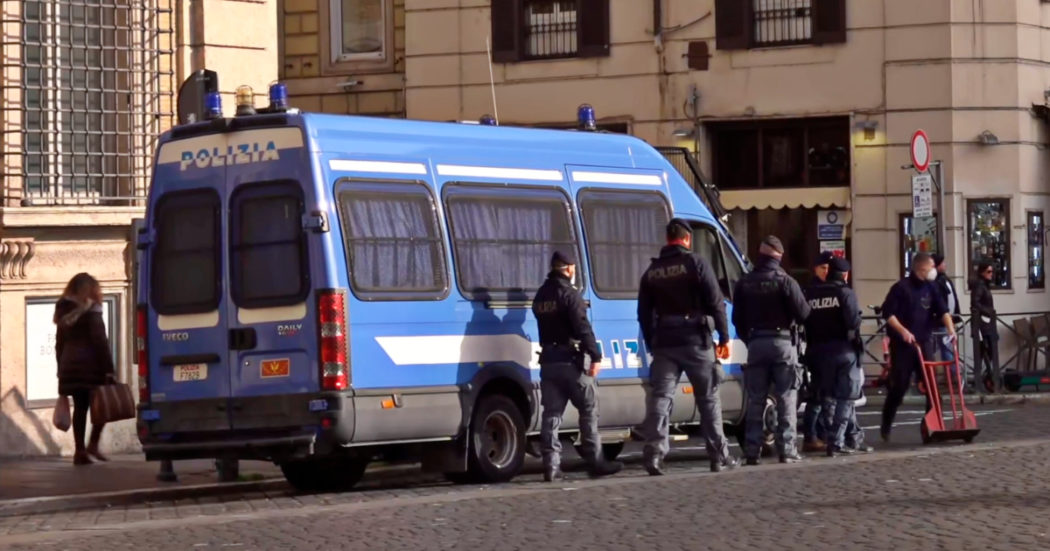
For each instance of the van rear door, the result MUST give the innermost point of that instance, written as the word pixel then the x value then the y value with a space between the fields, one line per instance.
pixel 189 374
pixel 272 319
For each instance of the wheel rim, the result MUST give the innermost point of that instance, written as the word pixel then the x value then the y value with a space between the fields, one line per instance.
pixel 769 420
pixel 496 440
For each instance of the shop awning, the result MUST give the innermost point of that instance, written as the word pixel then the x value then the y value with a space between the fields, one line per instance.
pixel 806 197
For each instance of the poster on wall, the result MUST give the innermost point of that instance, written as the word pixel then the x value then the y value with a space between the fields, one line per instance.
pixel 837 248
pixel 41 366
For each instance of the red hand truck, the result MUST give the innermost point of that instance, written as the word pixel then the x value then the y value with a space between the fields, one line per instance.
pixel 963 422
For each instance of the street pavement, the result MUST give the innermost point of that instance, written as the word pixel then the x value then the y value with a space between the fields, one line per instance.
pixel 992 494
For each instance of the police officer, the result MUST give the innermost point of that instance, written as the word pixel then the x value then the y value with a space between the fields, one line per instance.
pixel 832 330
pixel 678 293
pixel 768 307
pixel 565 335
pixel 814 430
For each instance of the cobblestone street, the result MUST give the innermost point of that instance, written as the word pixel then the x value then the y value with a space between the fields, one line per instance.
pixel 993 494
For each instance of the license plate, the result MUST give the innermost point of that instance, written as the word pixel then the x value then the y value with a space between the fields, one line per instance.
pixel 275 368
pixel 191 372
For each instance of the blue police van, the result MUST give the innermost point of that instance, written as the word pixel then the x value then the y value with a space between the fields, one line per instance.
pixel 319 290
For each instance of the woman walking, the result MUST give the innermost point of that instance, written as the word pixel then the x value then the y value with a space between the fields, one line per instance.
pixel 982 306
pixel 85 360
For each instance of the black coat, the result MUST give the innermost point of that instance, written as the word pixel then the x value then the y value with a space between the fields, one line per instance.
pixel 81 347
pixel 982 305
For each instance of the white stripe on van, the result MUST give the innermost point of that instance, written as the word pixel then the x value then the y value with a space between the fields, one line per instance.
pixel 386 167
pixel 497 172
pixel 188 321
pixel 247 316
pixel 212 144
pixel 617 178
pixel 454 349
pixel 737 352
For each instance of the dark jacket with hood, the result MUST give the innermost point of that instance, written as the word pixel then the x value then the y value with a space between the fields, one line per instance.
pixel 81 346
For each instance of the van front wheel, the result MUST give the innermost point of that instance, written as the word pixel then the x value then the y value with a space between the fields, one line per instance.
pixel 321 474
pixel 497 440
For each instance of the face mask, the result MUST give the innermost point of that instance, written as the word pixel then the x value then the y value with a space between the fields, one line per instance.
pixel 931 275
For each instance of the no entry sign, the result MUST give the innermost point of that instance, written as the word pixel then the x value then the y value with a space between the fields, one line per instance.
pixel 920 151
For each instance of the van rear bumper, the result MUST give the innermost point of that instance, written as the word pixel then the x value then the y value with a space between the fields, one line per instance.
pixel 267 448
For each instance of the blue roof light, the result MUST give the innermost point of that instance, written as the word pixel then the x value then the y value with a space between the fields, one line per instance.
pixel 487 120
pixel 213 105
pixel 278 96
pixel 585 117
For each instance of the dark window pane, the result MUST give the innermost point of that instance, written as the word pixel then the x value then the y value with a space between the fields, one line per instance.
pixel 185 260
pixel 268 258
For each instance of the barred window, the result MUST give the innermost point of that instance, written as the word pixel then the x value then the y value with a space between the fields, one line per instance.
pixel 95 78
pixel 551 28
pixel 779 22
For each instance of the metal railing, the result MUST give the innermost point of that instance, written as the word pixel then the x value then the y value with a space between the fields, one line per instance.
pixel 1025 340
pixel 90 86
pixel 782 22
pixel 550 29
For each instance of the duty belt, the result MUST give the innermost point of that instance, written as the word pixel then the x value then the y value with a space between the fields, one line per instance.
pixel 770 334
pixel 682 320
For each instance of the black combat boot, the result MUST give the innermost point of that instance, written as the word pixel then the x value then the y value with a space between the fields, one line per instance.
pixel 602 468
pixel 752 462
pixel 552 473
pixel 653 463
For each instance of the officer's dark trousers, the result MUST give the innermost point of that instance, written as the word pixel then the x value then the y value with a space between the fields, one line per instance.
pixel 771 361
pixel 561 383
pixel 842 381
pixel 699 366
pixel 904 366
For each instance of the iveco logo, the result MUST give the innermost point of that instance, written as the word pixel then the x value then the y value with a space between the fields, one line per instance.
pixel 289 330
pixel 239 154
pixel 175 337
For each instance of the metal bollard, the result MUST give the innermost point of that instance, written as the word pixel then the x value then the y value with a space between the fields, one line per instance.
pixel 228 469
pixel 167 471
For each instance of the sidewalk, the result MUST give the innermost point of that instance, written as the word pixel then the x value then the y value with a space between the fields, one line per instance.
pixel 40 484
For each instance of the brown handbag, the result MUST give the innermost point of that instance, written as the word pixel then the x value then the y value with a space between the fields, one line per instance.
pixel 112 402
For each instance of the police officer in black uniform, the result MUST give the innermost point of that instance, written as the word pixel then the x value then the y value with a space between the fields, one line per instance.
pixel 832 335
pixel 768 306
pixel 565 336
pixel 678 293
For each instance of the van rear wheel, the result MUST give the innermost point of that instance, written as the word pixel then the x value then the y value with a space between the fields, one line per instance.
pixel 324 474
pixel 497 440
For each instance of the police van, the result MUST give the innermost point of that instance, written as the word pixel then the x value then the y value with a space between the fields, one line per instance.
pixel 317 290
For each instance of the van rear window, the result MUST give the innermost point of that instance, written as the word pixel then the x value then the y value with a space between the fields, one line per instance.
pixel 268 246
pixel 504 237
pixel 393 240
pixel 185 271
pixel 625 230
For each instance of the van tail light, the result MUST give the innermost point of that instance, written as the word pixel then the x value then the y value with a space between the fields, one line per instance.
pixel 142 352
pixel 331 323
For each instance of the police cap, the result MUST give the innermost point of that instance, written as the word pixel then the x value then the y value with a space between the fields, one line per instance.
pixel 773 242
pixel 824 258
pixel 563 257
pixel 678 222
pixel 839 265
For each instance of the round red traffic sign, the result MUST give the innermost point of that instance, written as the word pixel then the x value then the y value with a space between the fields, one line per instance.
pixel 920 151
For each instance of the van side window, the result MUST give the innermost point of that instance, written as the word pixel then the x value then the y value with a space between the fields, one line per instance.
pixel 625 230
pixel 393 240
pixel 708 245
pixel 734 268
pixel 268 246
pixel 503 238
pixel 186 262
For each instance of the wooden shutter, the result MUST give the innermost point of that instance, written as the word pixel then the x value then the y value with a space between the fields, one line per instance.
pixel 732 24
pixel 829 21
pixel 592 20
pixel 506 30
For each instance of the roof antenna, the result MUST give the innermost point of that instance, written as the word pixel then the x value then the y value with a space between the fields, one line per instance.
pixel 492 80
